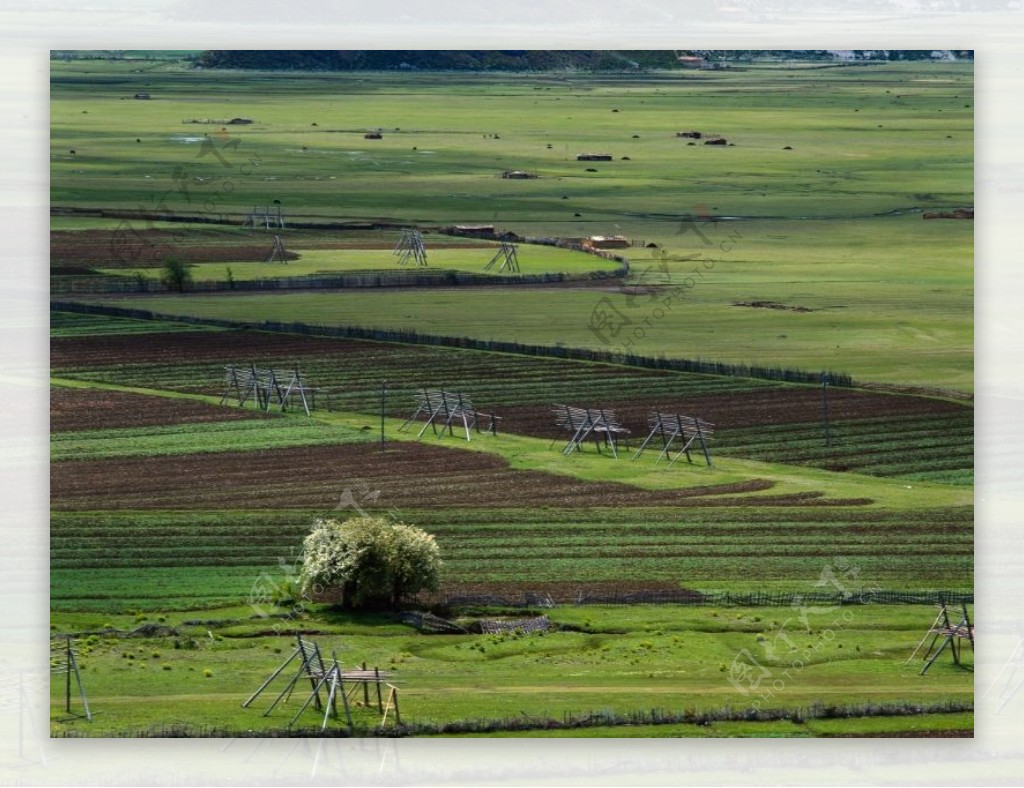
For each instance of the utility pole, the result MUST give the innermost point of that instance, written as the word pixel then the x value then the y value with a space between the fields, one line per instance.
pixel 824 408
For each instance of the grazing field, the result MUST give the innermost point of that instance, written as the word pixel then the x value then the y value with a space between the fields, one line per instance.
pixel 833 224
pixel 532 260
pixel 866 140
pixel 776 592
pixel 603 661
pixel 933 338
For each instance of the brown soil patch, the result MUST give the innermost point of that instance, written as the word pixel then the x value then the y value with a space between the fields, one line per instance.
pixel 188 347
pixel 758 407
pixel 407 476
pixel 564 592
pixel 772 305
pixel 749 409
pixel 133 246
pixel 96 409
pixel 139 248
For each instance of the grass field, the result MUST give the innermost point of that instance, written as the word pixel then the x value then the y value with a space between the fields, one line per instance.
pixel 703 323
pixel 839 229
pixel 532 260
pixel 864 141
pixel 603 661
pixel 801 244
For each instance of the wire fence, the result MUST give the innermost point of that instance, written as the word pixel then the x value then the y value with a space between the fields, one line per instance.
pixel 781 374
pixel 115 285
pixel 568 721
pixel 712 599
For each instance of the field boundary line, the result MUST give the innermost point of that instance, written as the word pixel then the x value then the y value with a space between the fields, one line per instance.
pixel 693 366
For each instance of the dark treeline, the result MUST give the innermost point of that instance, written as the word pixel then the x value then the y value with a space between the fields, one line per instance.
pixel 435 60
pixel 530 59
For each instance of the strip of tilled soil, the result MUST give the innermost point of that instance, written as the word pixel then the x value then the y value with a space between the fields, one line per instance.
pixel 331 477
pixel 562 592
pixel 95 409
pixel 760 407
pixel 757 407
pixel 199 347
pixel 135 248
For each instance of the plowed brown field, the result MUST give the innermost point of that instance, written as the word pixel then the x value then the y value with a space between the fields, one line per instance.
pixel 409 475
pixel 96 409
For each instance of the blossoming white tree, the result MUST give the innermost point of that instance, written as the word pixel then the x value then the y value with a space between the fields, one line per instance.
pixel 371 561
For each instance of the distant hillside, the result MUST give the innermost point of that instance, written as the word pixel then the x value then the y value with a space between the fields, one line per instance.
pixel 530 60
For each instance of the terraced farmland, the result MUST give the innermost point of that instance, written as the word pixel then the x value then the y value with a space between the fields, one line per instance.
pixel 176 523
pixel 201 499
pixel 917 438
pixel 315 476
pixel 210 557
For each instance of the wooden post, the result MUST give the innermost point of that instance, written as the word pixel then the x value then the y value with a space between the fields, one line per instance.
pixel 266 683
pixel 703 443
pixel 366 688
pixel 344 696
pixel 380 701
pixel 398 716
pixel 383 405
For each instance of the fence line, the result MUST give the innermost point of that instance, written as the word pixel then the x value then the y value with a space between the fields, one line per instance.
pixel 568 721
pixel 114 285
pixel 712 599
pixel 698 365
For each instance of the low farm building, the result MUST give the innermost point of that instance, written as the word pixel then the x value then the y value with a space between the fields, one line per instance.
pixel 608 242
pixel 373 135
pixel 691 61
pixel 517 175
pixel 693 135
pixel 593 157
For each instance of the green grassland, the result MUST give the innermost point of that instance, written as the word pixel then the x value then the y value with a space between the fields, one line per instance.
pixel 832 225
pixel 875 330
pixel 185 566
pixel 819 259
pixel 187 560
pixel 312 262
pixel 865 141
pixel 602 660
